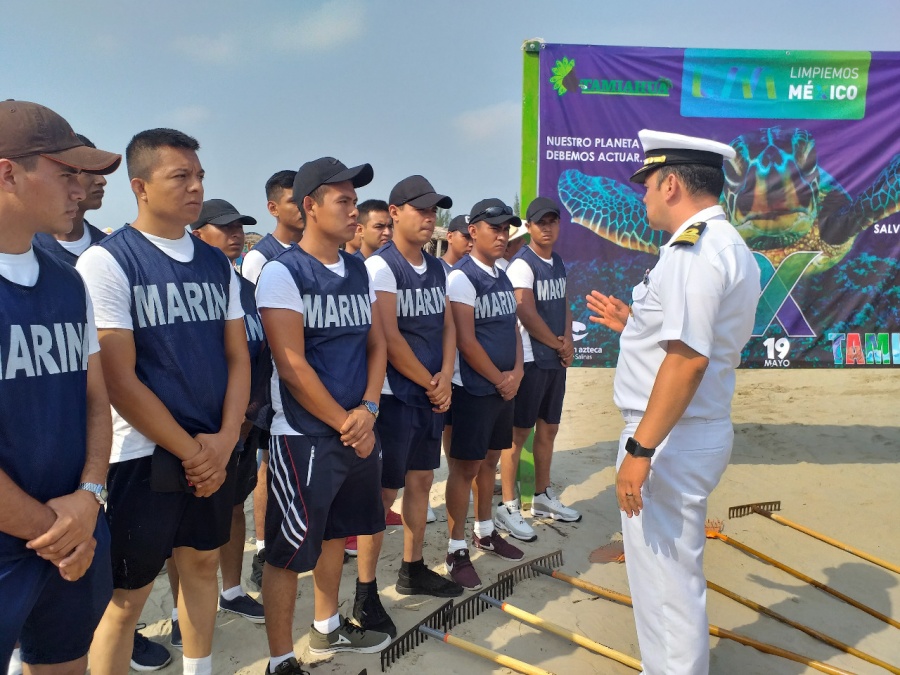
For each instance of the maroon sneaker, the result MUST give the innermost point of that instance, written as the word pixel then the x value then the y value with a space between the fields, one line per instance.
pixel 393 519
pixel 498 546
pixel 460 569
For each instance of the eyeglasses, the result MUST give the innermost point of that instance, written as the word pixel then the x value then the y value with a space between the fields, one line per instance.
pixel 492 212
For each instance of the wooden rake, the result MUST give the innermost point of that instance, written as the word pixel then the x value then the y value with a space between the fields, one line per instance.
pixel 714 531
pixel 766 509
pixel 533 570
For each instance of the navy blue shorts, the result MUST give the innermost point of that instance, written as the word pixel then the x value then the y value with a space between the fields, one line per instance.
pixel 540 396
pixel 483 423
pixel 146 525
pixel 246 469
pixel 410 440
pixel 54 619
pixel 318 490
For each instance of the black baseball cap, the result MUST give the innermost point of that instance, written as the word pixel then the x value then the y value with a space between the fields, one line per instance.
pixel 220 212
pixel 28 129
pixel 327 171
pixel 418 192
pixel 493 211
pixel 540 207
pixel 459 224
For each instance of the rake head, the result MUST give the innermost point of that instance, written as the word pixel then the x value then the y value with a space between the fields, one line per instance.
pixel 412 638
pixel 475 604
pixel 526 571
pixel 762 508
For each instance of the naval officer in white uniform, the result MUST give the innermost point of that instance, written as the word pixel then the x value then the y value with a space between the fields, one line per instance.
pixel 681 341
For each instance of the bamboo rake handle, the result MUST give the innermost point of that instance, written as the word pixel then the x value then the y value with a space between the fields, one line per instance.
pixel 483 652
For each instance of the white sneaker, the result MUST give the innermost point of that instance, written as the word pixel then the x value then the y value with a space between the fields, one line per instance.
pixel 548 505
pixel 430 517
pixel 509 518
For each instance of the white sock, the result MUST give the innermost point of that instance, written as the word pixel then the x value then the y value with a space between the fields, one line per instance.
pixel 260 545
pixel 15 662
pixel 201 666
pixel 483 528
pixel 512 506
pixel 457 545
pixel 174 614
pixel 275 661
pixel 328 625
pixel 233 593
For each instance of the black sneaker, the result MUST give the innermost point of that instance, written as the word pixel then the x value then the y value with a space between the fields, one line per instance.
pixel 289 667
pixel 256 569
pixel 175 638
pixel 370 615
pixel 147 655
pixel 427 582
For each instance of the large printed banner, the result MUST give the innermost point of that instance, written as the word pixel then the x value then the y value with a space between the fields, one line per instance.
pixel 814 188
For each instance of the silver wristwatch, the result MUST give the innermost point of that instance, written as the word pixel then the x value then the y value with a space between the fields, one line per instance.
pixel 99 491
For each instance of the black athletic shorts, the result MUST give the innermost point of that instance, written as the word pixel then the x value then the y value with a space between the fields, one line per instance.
pixel 410 440
pixel 247 468
pixel 319 489
pixel 54 619
pixel 145 525
pixel 482 423
pixel 540 396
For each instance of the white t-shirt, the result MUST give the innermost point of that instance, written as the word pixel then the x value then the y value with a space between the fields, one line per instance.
pixel 703 295
pixel 111 293
pixel 254 261
pixel 522 276
pixel 460 289
pixel 23 269
pixel 502 263
pixel 382 278
pixel 277 289
pixel 79 246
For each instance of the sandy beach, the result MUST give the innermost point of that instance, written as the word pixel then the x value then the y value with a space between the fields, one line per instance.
pixel 822 442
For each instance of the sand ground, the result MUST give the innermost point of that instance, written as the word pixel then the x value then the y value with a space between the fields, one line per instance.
pixel 824 443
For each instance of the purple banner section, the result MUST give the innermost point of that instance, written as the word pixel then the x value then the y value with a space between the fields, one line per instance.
pixel 814 189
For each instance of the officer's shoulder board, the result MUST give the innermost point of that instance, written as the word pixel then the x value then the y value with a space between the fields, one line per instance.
pixel 690 236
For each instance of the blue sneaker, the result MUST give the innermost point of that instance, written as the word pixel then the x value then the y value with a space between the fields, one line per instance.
pixel 245 606
pixel 147 655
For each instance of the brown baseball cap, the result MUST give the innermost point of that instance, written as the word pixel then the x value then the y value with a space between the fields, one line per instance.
pixel 28 129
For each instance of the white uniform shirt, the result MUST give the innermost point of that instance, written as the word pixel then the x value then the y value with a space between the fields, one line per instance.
pixel 111 293
pixel 278 290
pixel 254 261
pixel 522 276
pixel 381 278
pixel 704 295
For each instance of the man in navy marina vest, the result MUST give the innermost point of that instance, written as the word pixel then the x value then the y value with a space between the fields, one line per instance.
pixel 288 230
pixel 485 383
pixel 375 227
pixel 220 225
pixel 55 433
pixel 325 465
pixel 538 276
pixel 459 241
pixel 288 224
pixel 69 245
pixel 411 287
pixel 174 352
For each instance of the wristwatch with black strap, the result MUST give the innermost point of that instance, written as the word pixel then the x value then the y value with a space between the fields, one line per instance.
pixel 371 407
pixel 635 449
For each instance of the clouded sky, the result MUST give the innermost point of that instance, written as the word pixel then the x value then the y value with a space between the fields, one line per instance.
pixel 411 86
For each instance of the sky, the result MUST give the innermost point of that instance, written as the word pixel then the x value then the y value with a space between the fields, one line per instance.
pixel 432 87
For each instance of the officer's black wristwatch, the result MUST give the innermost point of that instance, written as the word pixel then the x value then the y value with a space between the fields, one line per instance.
pixel 635 449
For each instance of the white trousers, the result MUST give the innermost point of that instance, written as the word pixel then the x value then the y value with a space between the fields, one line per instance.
pixel 664 544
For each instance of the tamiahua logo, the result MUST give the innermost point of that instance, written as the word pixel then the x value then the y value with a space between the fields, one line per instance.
pixel 564 80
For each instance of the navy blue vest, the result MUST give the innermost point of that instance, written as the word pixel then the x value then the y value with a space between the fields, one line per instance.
pixel 43 383
pixel 421 301
pixel 178 312
pixel 252 322
pixel 51 245
pixel 549 299
pixel 495 324
pixel 337 315
pixel 447 266
pixel 270 247
pixel 359 254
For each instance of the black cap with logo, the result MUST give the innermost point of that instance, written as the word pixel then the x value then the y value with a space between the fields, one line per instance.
pixel 220 212
pixel 327 171
pixel 418 192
